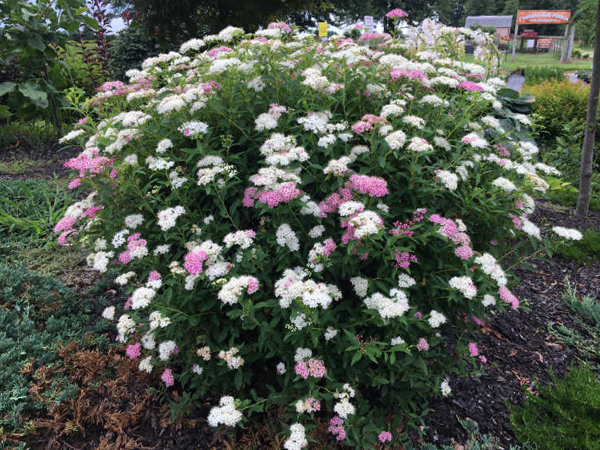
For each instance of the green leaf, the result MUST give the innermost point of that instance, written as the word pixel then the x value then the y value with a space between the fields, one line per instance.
pixel 238 379
pixel 36 42
pixel 355 358
pixel 90 22
pixel 6 87
pixel 32 91
pixel 4 112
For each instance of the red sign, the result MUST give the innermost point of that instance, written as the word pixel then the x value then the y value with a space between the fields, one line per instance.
pixel 538 17
pixel 544 43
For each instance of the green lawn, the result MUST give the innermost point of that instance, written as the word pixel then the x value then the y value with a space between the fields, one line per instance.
pixel 539 60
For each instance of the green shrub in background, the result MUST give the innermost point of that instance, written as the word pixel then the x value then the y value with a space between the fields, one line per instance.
pixel 537 75
pixel 564 416
pixel 130 49
pixel 32 133
pixel 84 66
pixel 584 251
pixel 556 104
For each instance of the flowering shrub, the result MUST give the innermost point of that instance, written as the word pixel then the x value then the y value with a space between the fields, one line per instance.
pixel 303 224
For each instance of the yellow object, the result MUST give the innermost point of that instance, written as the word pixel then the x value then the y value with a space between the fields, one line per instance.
pixel 322 29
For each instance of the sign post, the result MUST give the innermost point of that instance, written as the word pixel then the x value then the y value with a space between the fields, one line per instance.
pixel 539 17
pixel 323 29
pixel 369 23
pixel 514 43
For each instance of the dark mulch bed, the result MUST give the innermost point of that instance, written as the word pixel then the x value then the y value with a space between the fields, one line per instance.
pixel 518 346
pixel 50 158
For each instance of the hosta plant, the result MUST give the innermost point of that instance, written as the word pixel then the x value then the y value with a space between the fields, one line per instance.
pixel 303 223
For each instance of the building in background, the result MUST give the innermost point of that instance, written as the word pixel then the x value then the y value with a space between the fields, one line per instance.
pixel 501 23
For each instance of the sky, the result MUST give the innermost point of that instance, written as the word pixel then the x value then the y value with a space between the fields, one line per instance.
pixel 116 25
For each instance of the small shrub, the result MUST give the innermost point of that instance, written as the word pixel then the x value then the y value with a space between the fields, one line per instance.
pixel 271 204
pixel 585 251
pixel 563 416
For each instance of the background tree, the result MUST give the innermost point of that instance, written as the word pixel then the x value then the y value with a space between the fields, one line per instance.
pixel 31 34
pixel 587 155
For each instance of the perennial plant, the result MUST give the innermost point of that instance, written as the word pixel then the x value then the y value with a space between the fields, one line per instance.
pixel 303 223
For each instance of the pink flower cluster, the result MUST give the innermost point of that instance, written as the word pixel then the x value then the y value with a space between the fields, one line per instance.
pixel 167 378
pixel 450 229
pixel 518 223
pixel 134 351
pixel 215 51
pixel 210 87
pixel 252 285
pixel 281 25
pixel 153 276
pixel 502 150
pixel 193 262
pixel 385 436
pixel 84 163
pixel 422 345
pixel 367 122
pixel 464 252
pixel 276 110
pixel 508 297
pixel 473 350
pixel 333 202
pixel 374 37
pixel 412 74
pixel 314 368
pixel 91 212
pixel 328 247
pixel 396 14
pixel 405 228
pixel 470 86
pixel 336 427
pixel 403 259
pixel 373 186
pixel 133 243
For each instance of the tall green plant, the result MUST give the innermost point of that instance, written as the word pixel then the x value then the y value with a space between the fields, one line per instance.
pixel 30 35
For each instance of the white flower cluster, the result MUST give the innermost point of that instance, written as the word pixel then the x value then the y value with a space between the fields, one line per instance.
pixel 388 307
pixel 568 233
pixel 360 285
pixel 464 285
pixel 225 413
pixel 232 291
pixel 504 184
pixel 297 439
pixel 343 407
pixel 99 261
pixel 213 169
pixel 405 281
pixel 436 319
pixel 142 297
pixel 287 238
pixel 396 139
pixel 490 266
pixel 243 238
pixel 449 179
pixel 167 217
pixel 230 357
pixel 418 144
pixel 366 223
pixel 292 286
